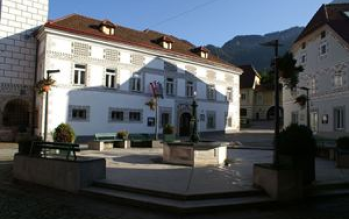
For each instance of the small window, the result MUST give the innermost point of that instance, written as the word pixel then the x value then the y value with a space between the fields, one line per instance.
pixel 243 112
pixel 170 86
pixel 189 89
pixel 211 92
pixel 136 83
pixel 134 116
pixel 304 45
pixel 294 118
pixel 211 121
pixel 323 49
pixel 79 74
pixel 338 79
pixel 230 122
pixel 79 113
pixel 323 34
pixel 117 115
pixel 339 118
pixel 229 94
pixel 303 58
pixel 110 76
pixel 243 96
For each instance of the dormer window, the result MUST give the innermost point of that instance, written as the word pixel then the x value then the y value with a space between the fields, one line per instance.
pixel 201 51
pixel 107 27
pixel 165 42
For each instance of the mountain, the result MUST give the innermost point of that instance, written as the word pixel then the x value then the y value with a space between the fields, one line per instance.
pixel 247 49
pixel 339 1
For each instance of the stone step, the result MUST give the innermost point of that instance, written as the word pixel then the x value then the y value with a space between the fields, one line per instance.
pixel 179 196
pixel 328 190
pixel 183 206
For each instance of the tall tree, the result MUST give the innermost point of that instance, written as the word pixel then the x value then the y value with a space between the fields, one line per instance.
pixel 289 72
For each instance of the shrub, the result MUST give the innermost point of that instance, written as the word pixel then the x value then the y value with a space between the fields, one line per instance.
pixel 343 143
pixel 296 140
pixel 168 129
pixel 123 134
pixel 64 133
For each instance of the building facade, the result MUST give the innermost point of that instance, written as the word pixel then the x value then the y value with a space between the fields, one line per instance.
pixel 18 20
pixel 256 99
pixel 323 51
pixel 105 76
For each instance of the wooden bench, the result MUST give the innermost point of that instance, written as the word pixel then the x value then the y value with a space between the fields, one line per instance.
pixel 141 140
pixel 42 148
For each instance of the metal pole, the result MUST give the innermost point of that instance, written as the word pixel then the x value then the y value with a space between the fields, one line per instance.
pixel 46 115
pixel 308 110
pixel 277 105
pixel 156 118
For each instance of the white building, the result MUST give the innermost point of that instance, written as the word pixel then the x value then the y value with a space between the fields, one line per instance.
pixel 18 20
pixel 323 50
pixel 105 76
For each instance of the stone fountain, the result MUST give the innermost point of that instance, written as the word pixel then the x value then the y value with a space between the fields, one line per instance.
pixel 195 152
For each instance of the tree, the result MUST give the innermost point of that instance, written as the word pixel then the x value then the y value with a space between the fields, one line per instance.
pixel 288 70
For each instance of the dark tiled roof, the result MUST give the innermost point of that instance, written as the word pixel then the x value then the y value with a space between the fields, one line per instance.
pixel 332 15
pixel 248 76
pixel 81 25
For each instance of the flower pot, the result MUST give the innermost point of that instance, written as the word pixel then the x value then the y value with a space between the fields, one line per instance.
pixel 46 88
pixel 169 137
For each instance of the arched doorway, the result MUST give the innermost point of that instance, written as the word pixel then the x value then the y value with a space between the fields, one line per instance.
pixel 16 114
pixel 271 113
pixel 184 124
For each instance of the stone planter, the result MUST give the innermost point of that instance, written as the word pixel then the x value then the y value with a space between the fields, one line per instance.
pixel 65 175
pixel 169 137
pixel 342 158
pixel 282 184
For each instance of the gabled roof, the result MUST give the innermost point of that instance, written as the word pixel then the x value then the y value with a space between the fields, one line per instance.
pixel 85 26
pixel 248 76
pixel 333 15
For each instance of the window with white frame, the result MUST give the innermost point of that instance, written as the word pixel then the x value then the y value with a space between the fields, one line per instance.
pixel 323 34
pixel 229 121
pixel 79 113
pixel 229 94
pixel 243 96
pixel 243 112
pixel 338 118
pixel 136 83
pixel 338 79
pixel 211 92
pixel 189 89
pixel 165 119
pixel 116 115
pixel 294 117
pixel 211 120
pixel 135 116
pixel 79 74
pixel 169 86
pixel 303 58
pixel 323 48
pixel 110 78
pixel 313 85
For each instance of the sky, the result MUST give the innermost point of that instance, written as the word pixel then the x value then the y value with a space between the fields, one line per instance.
pixel 201 22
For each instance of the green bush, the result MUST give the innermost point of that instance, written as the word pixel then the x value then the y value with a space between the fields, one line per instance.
pixel 168 129
pixel 64 133
pixel 343 143
pixel 123 134
pixel 296 140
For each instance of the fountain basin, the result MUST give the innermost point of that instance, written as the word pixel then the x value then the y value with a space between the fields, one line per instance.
pixel 202 153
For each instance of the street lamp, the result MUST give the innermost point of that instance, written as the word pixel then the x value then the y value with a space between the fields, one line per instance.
pixel 275 44
pixel 308 109
pixel 48 72
pixel 194 137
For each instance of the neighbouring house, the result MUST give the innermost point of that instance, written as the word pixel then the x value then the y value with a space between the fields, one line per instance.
pixel 18 20
pixel 323 51
pixel 256 99
pixel 106 75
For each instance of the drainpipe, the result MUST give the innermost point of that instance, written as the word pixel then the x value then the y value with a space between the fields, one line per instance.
pixel 34 92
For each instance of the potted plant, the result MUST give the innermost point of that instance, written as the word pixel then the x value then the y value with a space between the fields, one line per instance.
pixel 297 147
pixel 342 158
pixel 151 103
pixel 301 100
pixel 44 85
pixel 123 134
pixel 64 133
pixel 168 132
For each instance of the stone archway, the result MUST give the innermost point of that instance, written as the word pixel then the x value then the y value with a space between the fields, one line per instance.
pixel 16 114
pixel 184 124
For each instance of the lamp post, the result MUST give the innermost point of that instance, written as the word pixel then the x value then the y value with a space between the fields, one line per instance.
pixel 48 72
pixel 194 137
pixel 308 109
pixel 275 44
